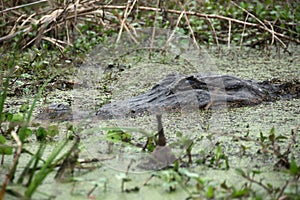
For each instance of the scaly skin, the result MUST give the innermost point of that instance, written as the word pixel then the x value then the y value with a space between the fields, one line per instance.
pixel 178 92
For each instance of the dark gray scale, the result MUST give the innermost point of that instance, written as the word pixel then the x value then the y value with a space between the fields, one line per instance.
pixel 177 92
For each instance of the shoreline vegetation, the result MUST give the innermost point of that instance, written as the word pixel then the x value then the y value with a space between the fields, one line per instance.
pixel 43 43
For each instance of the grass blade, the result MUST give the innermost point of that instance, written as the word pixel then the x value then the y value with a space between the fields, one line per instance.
pixel 45 170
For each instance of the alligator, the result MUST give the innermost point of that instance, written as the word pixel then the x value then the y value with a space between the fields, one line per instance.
pixel 197 91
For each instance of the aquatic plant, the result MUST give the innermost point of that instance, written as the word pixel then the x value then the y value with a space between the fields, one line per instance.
pixel 17 125
pixel 37 44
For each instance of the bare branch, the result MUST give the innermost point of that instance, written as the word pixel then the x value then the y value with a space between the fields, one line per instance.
pixel 22 6
pixel 12 169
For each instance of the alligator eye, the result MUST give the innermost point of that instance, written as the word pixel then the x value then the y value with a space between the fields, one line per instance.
pixel 61 107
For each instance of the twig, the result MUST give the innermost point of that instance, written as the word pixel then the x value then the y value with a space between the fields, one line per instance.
pixel 174 30
pixel 123 21
pixel 129 165
pixel 76 6
pixel 263 25
pixel 128 31
pixel 133 4
pixel 56 42
pixel 92 190
pixel 189 25
pixel 15 25
pixel 214 31
pixel 154 28
pixel 269 190
pixel 67 33
pixel 133 30
pixel 22 6
pixel 89 7
pixel 229 34
pixel 148 179
pixel 211 16
pixel 293 137
pixel 244 28
pixel 12 169
pixel 272 42
pixel 283 189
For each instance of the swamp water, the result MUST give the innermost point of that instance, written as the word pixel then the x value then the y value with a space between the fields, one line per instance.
pixel 209 130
